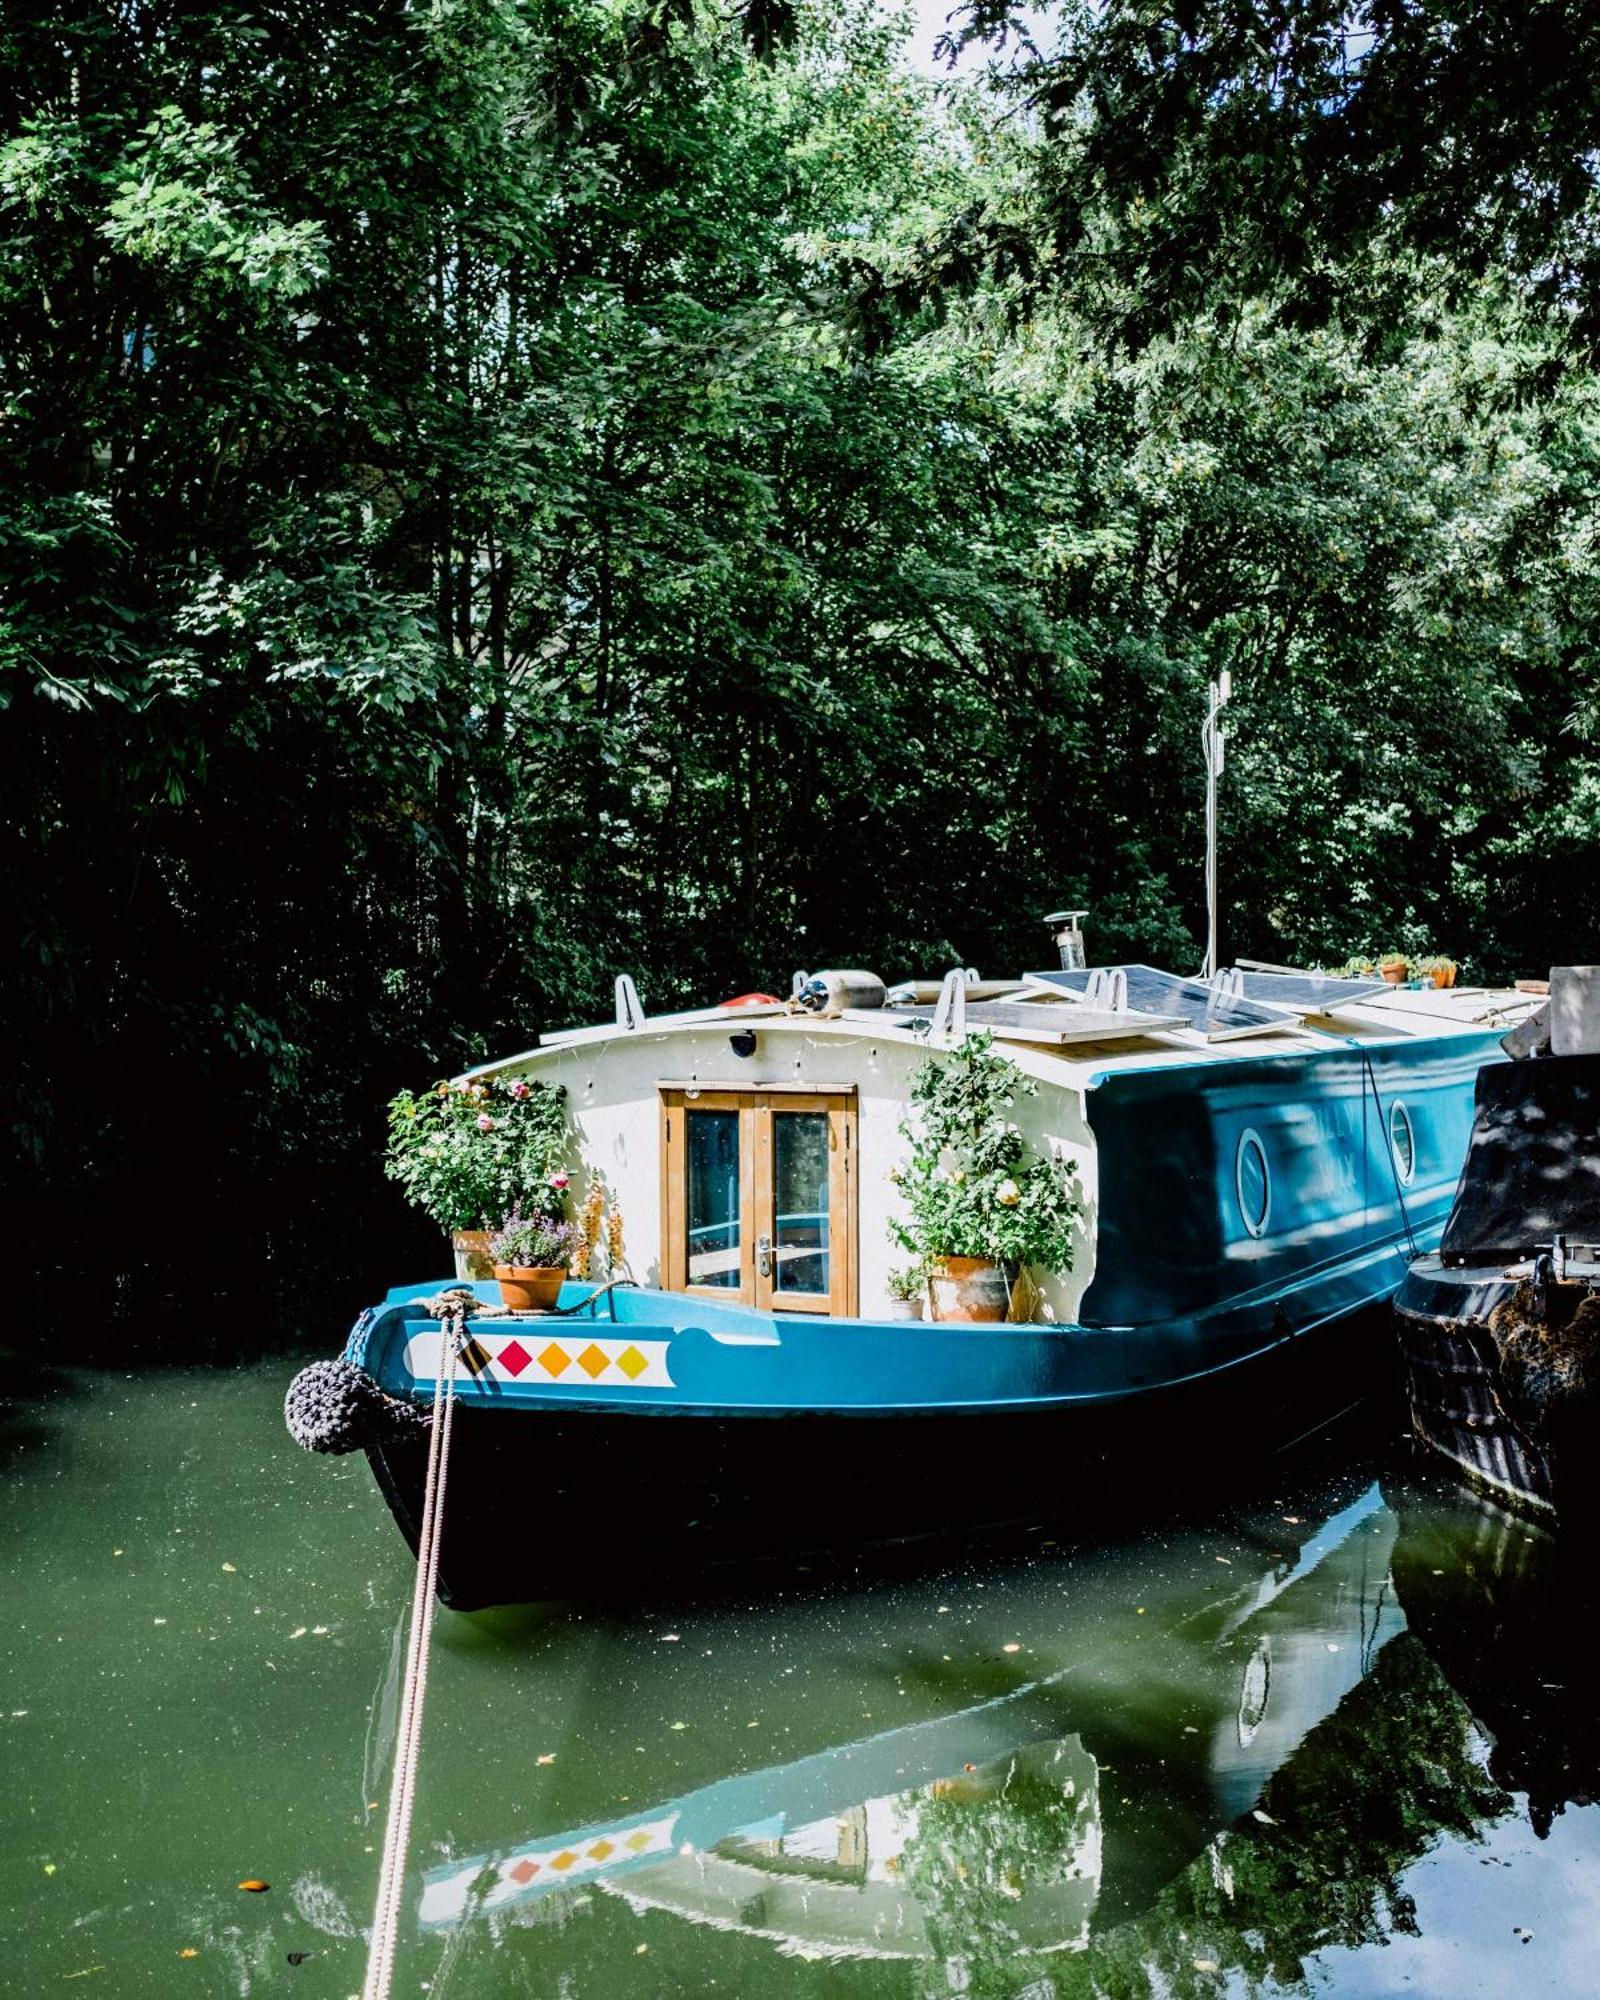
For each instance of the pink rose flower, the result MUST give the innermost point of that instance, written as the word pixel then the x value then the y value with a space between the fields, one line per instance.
pixel 561 1180
pixel 485 1122
pixel 519 1089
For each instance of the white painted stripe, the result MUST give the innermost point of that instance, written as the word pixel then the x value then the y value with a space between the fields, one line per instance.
pixel 581 1346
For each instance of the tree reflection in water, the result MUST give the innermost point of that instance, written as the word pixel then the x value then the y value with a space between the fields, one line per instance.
pixel 1369 1790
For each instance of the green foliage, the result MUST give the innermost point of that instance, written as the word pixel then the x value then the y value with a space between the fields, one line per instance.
pixel 976 1850
pixel 489 500
pixel 473 1155
pixel 970 1188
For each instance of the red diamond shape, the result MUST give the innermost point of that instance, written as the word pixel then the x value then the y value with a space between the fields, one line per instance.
pixel 524 1871
pixel 513 1358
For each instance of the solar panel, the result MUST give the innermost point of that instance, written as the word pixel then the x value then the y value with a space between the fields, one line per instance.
pixel 1039 1021
pixel 1193 1004
pixel 1312 992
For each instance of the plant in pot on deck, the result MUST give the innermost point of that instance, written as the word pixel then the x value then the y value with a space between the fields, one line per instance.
pixel 472 1152
pixel 532 1255
pixel 980 1206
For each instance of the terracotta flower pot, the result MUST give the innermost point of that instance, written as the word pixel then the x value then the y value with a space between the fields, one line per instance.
pixel 529 1288
pixel 968 1288
pixel 471 1247
pixel 1395 974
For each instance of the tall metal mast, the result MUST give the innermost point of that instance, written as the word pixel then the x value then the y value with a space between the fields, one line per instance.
pixel 1211 739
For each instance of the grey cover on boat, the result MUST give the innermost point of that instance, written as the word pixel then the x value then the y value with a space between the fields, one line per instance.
pixel 1575 1010
pixel 1533 1167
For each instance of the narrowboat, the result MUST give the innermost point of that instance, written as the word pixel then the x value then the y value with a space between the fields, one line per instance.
pixel 1499 1329
pixel 1255 1158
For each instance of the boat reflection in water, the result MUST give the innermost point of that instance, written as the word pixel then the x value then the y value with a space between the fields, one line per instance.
pixel 1234 1785
pixel 842 1854
pixel 1508 1613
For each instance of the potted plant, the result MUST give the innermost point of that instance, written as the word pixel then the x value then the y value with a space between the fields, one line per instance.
pixel 1440 972
pixel 906 1286
pixel 472 1151
pixel 532 1254
pixel 1395 967
pixel 979 1207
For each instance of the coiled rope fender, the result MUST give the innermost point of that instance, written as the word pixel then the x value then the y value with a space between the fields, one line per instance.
pixel 336 1406
pixel 451 1310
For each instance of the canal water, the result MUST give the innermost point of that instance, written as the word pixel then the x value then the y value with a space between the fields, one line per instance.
pixel 1336 1734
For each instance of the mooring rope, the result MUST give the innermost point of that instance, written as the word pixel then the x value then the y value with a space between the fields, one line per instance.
pixel 414 1689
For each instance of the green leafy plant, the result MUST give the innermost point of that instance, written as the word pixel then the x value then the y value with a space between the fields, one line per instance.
pixel 472 1153
pixel 970 1186
pixel 906 1282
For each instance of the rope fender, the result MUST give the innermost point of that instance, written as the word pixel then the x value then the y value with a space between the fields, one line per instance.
pixel 335 1407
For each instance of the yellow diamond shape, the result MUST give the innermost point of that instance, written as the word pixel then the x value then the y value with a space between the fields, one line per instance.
pixel 600 1850
pixel 632 1363
pixel 564 1859
pixel 554 1359
pixel 594 1361
pixel 637 1841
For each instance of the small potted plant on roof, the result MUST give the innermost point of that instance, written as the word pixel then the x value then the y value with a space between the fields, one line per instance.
pixel 1439 972
pixel 980 1207
pixel 1395 967
pixel 477 1149
pixel 532 1256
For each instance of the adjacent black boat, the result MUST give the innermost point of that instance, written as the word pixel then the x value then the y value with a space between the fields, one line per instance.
pixel 1500 1331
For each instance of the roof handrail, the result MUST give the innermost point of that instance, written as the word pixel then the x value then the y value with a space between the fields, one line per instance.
pixel 630 1013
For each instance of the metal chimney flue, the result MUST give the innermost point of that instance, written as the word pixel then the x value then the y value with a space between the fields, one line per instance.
pixel 1068 938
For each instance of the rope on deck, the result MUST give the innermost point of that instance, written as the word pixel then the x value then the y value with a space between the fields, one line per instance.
pixel 414 1688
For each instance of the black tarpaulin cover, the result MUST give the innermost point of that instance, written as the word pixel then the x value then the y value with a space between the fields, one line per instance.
pixel 1533 1168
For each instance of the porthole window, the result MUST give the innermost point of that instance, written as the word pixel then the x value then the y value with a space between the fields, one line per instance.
pixel 1252 1183
pixel 1403 1142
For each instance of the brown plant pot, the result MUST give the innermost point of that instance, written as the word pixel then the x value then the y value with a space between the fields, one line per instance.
pixel 471 1247
pixel 967 1288
pixel 1444 975
pixel 1395 974
pixel 529 1288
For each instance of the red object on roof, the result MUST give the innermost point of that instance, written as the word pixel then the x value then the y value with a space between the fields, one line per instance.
pixel 751 1000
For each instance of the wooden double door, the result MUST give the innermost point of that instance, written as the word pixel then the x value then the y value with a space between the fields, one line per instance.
pixel 759 1197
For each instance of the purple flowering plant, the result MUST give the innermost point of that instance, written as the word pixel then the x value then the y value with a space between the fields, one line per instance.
pixel 535 1242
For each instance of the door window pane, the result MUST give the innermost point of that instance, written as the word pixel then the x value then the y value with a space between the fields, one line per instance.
pixel 800 1200
pixel 713 1217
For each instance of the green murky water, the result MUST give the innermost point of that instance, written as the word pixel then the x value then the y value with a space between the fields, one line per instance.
pixel 1339 1736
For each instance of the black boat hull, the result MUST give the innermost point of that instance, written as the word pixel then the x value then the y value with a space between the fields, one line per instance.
pixel 563 1504
pixel 1500 1387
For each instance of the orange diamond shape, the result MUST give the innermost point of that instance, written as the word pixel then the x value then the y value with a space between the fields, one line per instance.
pixel 555 1359
pixel 594 1361
pixel 632 1363
pixel 564 1859
pixel 637 1840
pixel 600 1850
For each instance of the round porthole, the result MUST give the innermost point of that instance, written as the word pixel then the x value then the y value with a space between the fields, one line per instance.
pixel 1252 1183
pixel 1255 1693
pixel 1403 1141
